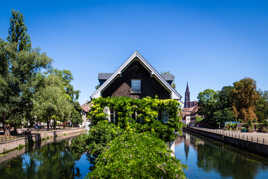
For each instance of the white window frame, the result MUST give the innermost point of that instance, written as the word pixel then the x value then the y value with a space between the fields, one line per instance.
pixel 133 90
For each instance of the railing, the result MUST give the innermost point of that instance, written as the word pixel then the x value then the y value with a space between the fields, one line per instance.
pixel 259 138
pixel 5 139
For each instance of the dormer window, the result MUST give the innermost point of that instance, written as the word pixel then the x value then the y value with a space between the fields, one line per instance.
pixel 135 86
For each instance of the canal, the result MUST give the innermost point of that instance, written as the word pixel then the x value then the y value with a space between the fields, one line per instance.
pixel 204 158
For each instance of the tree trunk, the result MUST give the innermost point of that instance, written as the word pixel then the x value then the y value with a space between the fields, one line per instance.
pixel 47 125
pixel 6 127
pixel 15 130
pixel 54 124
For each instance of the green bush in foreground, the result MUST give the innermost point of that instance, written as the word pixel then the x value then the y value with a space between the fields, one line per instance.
pixel 97 138
pixel 133 155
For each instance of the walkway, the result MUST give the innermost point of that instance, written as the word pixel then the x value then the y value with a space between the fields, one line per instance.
pixel 256 137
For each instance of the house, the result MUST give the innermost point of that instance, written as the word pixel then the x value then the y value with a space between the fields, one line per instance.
pixel 85 109
pixel 136 78
pixel 189 112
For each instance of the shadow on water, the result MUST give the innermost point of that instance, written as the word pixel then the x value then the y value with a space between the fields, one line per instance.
pixel 51 161
pixel 207 158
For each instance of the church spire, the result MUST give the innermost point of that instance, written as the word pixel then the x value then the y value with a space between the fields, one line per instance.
pixel 187 97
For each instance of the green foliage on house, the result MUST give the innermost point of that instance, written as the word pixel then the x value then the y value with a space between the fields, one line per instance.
pixel 158 116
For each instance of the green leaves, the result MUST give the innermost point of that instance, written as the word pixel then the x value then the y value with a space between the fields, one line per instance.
pixel 30 88
pixel 17 32
pixel 133 155
pixel 146 111
pixel 133 146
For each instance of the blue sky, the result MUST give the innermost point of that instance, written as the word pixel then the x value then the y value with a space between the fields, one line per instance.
pixel 209 43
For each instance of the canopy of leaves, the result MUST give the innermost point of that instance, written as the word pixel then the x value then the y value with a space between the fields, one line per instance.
pixel 216 107
pixel 24 88
pixel 17 32
pixel 134 155
pixel 245 97
pixel 262 106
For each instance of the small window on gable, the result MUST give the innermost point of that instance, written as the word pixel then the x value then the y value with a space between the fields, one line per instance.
pixel 136 86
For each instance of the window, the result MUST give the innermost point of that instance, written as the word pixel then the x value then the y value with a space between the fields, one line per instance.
pixel 136 86
pixel 164 117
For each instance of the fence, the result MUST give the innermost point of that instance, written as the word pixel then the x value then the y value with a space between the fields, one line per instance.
pixel 260 138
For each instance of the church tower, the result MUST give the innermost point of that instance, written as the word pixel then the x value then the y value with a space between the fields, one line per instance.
pixel 187 100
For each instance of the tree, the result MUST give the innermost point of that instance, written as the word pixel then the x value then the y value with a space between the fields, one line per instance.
pixel 262 106
pixel 17 32
pixel 207 103
pixel 56 99
pixel 224 111
pixel 51 103
pixel 20 65
pixel 245 97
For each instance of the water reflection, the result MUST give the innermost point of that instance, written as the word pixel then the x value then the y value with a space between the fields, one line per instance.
pixel 51 161
pixel 210 159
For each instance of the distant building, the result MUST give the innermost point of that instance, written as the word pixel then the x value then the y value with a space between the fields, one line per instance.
pixel 85 109
pixel 190 109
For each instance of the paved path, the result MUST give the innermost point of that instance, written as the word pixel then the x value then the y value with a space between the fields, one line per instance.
pixel 257 137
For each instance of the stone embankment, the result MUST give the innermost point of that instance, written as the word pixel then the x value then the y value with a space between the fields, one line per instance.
pixel 253 142
pixel 40 135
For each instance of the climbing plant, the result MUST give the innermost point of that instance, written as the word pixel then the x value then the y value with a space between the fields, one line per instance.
pixel 158 116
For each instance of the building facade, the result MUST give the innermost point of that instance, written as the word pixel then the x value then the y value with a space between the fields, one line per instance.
pixel 136 78
pixel 189 112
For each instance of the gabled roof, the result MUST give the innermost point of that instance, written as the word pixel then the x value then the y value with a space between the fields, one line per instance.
pixel 139 57
pixel 104 76
pixel 167 76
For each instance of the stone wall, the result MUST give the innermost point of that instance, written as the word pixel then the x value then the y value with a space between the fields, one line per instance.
pixel 250 146
pixel 10 145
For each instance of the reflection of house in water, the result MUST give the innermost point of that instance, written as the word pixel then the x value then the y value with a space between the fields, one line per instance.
pixel 190 109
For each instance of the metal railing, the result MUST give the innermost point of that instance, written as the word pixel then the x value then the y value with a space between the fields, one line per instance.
pixel 245 136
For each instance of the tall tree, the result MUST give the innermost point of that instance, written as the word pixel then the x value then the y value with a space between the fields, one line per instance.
pixel 20 67
pixel 17 32
pixel 207 102
pixel 245 97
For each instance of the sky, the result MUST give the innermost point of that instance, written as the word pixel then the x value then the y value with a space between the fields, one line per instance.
pixel 207 43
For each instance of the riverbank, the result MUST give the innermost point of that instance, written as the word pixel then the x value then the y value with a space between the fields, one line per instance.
pixel 252 142
pixel 42 135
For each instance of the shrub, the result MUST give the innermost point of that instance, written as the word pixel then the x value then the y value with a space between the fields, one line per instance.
pixel 133 155
pixel 96 139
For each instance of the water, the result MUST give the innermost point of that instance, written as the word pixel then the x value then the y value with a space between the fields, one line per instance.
pixel 52 161
pixel 205 159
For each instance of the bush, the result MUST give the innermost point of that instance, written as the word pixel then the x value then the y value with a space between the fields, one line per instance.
pixel 97 138
pixel 133 155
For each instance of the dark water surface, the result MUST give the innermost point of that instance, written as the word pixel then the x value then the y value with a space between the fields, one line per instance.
pixel 205 159
pixel 52 161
